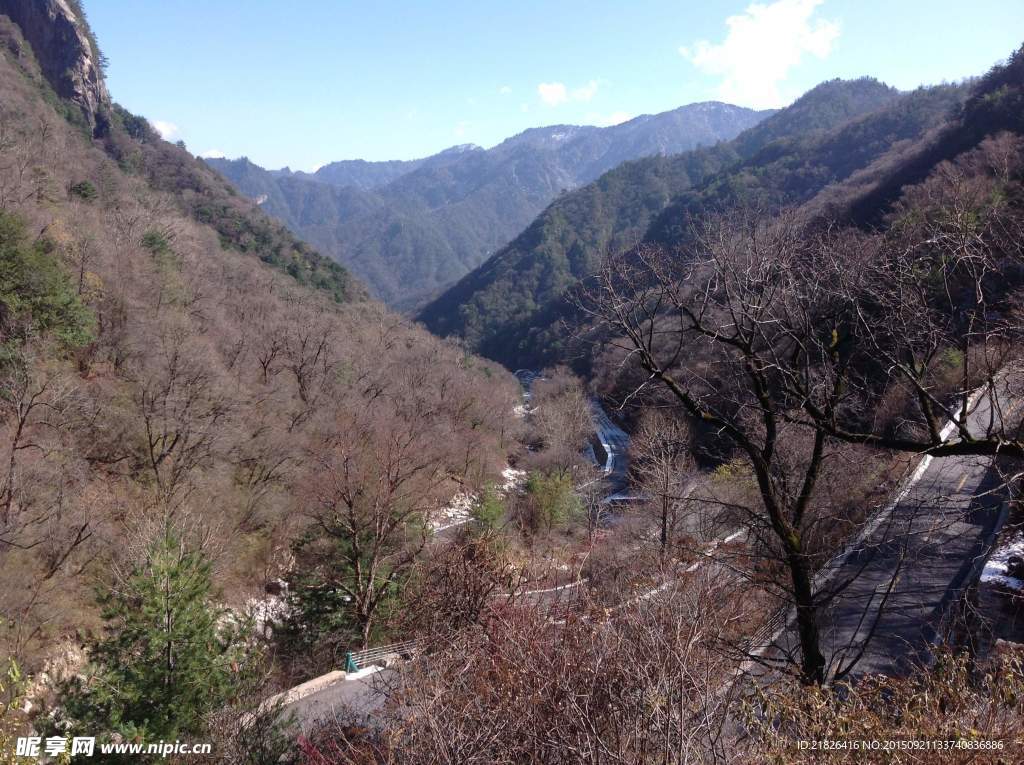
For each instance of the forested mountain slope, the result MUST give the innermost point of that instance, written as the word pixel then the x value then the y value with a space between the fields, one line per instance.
pixel 357 173
pixel 507 307
pixel 790 171
pixel 995 104
pixel 176 366
pixel 440 217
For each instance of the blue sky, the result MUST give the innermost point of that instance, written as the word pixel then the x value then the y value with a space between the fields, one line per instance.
pixel 304 83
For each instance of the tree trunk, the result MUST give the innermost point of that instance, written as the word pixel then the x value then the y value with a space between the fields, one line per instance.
pixel 366 624
pixel 812 661
pixel 664 527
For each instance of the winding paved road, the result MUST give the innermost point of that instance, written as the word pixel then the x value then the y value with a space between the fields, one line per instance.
pixel 895 587
pixel 362 695
pixel 614 443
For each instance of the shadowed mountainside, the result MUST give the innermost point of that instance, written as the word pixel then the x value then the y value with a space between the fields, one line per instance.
pixel 510 307
pixel 409 229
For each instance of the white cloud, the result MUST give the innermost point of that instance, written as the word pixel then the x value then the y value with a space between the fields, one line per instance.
pixel 585 93
pixel 762 45
pixel 461 128
pixel 504 90
pixel 607 120
pixel 212 154
pixel 167 130
pixel 524 107
pixel 552 93
pixel 555 93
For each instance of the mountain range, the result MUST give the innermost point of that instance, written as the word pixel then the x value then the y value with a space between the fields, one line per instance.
pixel 410 229
pixel 512 307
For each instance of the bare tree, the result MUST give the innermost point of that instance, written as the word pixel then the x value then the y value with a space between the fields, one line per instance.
pixel 785 341
pixel 461 584
pixel 662 461
pixel 643 685
pixel 43 528
pixel 373 482
pixel 27 155
pixel 561 417
pixel 181 411
pixel 32 403
pixel 701 328
pixel 927 313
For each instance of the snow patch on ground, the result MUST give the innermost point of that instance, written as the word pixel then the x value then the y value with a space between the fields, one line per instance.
pixel 266 613
pixel 364 672
pixel 514 479
pixel 459 509
pixel 996 569
pixel 66 661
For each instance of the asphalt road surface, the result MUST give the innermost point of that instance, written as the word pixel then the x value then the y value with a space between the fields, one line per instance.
pixel 894 589
pixel 350 697
pixel 615 447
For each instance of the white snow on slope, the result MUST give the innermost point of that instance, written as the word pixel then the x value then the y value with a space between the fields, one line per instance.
pixel 459 509
pixel 996 568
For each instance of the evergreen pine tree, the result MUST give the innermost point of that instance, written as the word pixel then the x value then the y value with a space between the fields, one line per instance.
pixel 489 510
pixel 164 661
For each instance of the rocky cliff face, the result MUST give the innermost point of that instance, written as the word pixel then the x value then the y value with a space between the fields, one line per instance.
pixel 62 46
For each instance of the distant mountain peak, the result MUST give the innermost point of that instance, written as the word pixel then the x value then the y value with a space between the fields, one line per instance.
pixel 461 148
pixel 511 307
pixel 412 228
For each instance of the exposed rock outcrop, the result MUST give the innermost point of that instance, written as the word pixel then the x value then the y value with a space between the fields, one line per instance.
pixel 68 59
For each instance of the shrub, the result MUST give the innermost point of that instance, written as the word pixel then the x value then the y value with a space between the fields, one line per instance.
pixel 156 242
pixel 952 701
pixel 84 190
pixel 551 501
pixel 489 509
pixel 36 296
